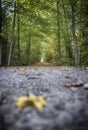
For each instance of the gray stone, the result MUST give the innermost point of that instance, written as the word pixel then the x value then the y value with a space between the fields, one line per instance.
pixel 85 86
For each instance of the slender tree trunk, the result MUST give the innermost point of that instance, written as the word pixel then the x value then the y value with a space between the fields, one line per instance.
pixel 65 20
pixel 0 32
pixel 28 51
pixel 18 31
pixel 76 49
pixel 58 24
pixel 81 37
pixel 66 37
pixel 13 33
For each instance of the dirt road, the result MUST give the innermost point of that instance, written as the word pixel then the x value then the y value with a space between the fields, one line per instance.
pixel 67 107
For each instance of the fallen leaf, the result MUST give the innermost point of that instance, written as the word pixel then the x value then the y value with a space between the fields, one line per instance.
pixel 22 101
pixel 78 83
pixel 68 85
pixel 42 100
pixel 32 97
pixel 22 72
pixel 38 105
pixel 31 100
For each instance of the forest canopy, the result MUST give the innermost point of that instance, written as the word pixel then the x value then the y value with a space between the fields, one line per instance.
pixel 54 31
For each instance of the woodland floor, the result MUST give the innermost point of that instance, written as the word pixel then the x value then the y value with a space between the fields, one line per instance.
pixel 67 107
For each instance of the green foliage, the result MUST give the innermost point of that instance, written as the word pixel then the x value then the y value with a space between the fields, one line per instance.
pixel 39 30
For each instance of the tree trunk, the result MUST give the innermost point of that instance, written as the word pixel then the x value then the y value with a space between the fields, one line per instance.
pixel 58 26
pixel 13 37
pixel 18 31
pixel 0 51
pixel 0 32
pixel 76 48
pixel 67 37
pixel 28 47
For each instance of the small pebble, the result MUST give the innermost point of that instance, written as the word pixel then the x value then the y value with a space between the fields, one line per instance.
pixel 85 86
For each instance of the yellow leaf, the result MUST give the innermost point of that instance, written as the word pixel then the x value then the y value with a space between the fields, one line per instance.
pixel 22 98
pixel 22 101
pixel 32 97
pixel 21 104
pixel 31 100
pixel 42 100
pixel 38 105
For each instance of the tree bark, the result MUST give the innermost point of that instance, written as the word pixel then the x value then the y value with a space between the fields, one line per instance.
pixel 28 47
pixel 58 26
pixel 0 32
pixel 76 48
pixel 13 33
pixel 67 37
pixel 18 31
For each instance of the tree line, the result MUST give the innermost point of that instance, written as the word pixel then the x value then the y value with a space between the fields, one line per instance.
pixel 53 30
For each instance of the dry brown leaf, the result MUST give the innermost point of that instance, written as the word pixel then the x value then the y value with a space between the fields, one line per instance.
pixel 22 72
pixel 78 83
pixel 68 85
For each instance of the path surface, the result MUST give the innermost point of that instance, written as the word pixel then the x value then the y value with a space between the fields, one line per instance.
pixel 67 108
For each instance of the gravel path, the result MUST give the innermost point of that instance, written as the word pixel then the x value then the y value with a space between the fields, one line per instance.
pixel 67 108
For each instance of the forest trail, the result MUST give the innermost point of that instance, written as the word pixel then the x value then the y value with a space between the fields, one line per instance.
pixel 67 106
pixel 46 64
